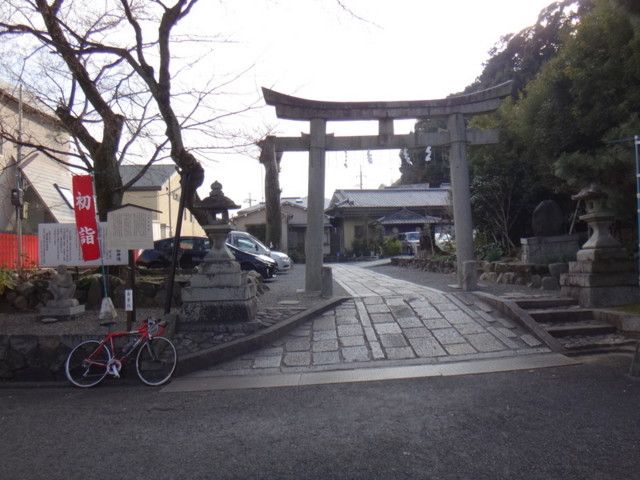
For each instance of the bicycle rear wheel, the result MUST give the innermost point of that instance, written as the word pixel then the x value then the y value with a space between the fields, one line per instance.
pixel 86 365
pixel 156 361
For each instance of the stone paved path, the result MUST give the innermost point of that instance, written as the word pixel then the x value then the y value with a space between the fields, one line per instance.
pixel 388 322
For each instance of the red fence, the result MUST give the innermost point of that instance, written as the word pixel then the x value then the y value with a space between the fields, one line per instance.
pixel 9 250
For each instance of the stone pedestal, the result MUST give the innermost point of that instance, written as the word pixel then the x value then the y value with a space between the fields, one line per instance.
pixel 557 248
pixel 219 298
pixel 63 309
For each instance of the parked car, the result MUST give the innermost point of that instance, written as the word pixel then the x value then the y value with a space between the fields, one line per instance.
pixel 265 266
pixel 247 242
pixel 410 242
pixel 194 249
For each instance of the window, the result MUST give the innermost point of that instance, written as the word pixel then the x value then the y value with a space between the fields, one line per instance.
pixel 246 244
pixel 66 194
pixel 186 243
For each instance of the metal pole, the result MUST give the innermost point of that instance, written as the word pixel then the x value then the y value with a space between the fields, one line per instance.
pixel 19 183
pixel 184 182
pixel 636 142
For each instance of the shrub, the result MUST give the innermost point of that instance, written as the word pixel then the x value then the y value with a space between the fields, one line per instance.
pixel 391 247
pixel 358 247
pixel 7 279
pixel 489 252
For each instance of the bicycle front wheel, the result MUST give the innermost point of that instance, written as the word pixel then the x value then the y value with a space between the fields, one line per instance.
pixel 87 363
pixel 156 361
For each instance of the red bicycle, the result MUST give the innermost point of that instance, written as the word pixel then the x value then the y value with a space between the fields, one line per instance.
pixel 92 360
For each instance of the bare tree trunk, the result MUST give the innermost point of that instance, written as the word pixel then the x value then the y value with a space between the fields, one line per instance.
pixel 271 161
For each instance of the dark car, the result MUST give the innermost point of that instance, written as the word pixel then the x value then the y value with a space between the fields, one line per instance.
pixel 265 266
pixel 193 250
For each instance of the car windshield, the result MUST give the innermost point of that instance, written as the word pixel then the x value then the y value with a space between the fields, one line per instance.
pixel 260 244
pixel 413 236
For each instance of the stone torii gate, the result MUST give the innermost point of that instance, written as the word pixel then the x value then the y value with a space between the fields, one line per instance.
pixel 317 142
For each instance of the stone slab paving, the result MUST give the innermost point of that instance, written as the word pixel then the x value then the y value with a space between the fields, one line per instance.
pixel 389 322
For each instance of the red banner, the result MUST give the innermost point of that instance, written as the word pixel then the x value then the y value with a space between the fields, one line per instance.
pixel 86 223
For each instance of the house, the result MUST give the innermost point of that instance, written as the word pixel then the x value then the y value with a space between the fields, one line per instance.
pixel 44 186
pixel 159 189
pixel 357 214
pixel 30 177
pixel 293 222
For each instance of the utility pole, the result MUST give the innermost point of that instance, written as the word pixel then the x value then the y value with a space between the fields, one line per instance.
pixel 18 196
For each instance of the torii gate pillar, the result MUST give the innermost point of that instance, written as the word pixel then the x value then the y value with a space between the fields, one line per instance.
pixel 313 244
pixel 461 192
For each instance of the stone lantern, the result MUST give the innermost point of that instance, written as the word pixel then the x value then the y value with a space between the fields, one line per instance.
pixel 597 217
pixel 219 298
pixel 603 275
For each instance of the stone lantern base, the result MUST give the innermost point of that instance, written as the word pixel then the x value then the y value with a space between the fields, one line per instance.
pixel 603 277
pixel 219 299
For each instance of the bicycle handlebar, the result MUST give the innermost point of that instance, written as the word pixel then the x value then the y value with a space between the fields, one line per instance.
pixel 155 326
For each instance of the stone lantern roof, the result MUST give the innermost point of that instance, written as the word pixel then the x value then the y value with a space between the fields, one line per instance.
pixel 594 198
pixel 216 206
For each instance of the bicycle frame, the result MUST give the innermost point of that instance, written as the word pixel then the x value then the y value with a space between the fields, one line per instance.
pixel 115 363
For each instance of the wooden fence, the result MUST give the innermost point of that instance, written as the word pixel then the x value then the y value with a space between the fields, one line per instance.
pixel 9 250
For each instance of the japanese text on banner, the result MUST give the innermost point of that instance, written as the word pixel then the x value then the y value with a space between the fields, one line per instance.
pixel 86 223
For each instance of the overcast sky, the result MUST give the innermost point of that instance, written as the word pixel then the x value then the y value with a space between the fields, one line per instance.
pixel 401 50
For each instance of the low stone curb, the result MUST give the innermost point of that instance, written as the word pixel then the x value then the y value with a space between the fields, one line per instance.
pixel 226 351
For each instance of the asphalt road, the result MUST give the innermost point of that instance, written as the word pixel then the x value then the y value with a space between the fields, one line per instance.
pixel 579 422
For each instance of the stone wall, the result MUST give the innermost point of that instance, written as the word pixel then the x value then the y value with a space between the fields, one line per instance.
pixel 35 357
pixel 32 295
pixel 544 277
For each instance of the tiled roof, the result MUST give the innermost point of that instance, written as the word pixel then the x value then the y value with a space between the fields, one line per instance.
pixel 405 216
pixel 11 92
pixel 154 178
pixel 294 201
pixel 395 197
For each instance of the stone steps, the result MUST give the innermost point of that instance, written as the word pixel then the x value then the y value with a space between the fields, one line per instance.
pixel 575 328
pixel 540 303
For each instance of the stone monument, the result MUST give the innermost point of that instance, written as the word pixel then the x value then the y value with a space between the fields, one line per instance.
pixel 603 275
pixel 549 244
pixel 219 298
pixel 63 305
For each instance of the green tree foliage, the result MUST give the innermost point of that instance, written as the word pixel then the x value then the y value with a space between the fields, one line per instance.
pixel 419 165
pixel 519 57
pixel 585 101
pixel 577 95
pixel 504 188
pixel 508 180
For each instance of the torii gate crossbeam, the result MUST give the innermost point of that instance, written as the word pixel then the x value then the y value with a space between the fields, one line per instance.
pixel 317 143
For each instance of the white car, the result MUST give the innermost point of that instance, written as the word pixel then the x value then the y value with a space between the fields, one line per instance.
pixel 247 242
pixel 410 242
